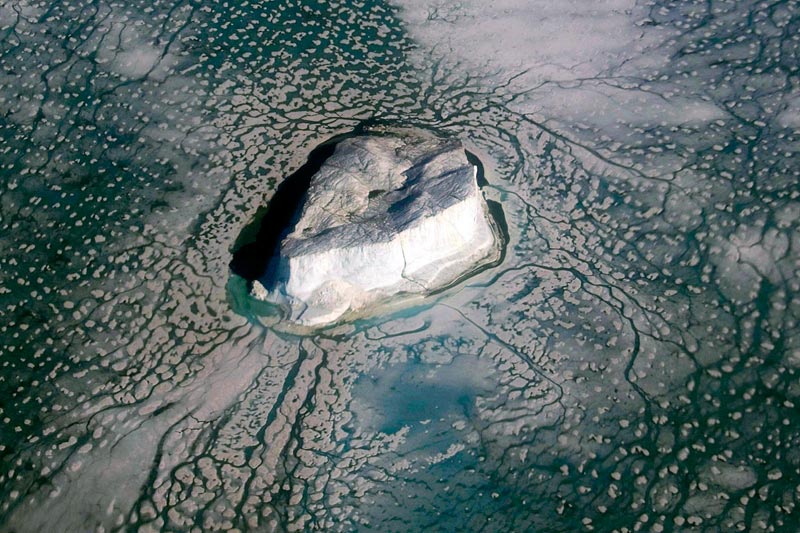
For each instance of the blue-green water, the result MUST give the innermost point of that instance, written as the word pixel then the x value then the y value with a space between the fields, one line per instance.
pixel 631 365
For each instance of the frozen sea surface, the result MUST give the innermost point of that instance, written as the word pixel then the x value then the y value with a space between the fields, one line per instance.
pixel 632 364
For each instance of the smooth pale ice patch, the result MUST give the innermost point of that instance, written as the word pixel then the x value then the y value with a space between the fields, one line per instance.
pixel 790 116
pixel 605 106
pixel 137 62
pixel 555 40
pixel 384 216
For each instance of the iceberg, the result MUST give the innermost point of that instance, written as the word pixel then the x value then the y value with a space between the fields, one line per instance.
pixel 385 217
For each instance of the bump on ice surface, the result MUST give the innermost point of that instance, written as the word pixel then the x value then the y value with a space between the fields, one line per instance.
pixel 384 216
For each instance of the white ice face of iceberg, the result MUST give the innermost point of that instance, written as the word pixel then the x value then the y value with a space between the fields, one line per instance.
pixel 385 216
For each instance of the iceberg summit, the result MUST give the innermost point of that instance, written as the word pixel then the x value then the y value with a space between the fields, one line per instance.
pixel 385 217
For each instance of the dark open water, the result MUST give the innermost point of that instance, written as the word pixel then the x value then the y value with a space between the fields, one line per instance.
pixel 632 364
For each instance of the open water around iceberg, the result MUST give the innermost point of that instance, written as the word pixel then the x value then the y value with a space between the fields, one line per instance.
pixel 632 364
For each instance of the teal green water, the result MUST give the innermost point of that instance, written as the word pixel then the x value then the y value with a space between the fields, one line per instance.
pixel 631 365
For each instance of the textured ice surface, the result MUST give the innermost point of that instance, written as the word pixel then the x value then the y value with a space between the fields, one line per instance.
pixel 384 216
pixel 631 365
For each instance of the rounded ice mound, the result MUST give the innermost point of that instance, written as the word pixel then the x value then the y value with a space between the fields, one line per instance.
pixel 384 217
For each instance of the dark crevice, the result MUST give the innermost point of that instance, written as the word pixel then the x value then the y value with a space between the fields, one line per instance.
pixel 475 161
pixel 495 208
pixel 259 240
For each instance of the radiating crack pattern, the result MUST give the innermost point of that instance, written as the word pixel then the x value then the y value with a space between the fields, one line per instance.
pixel 630 365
